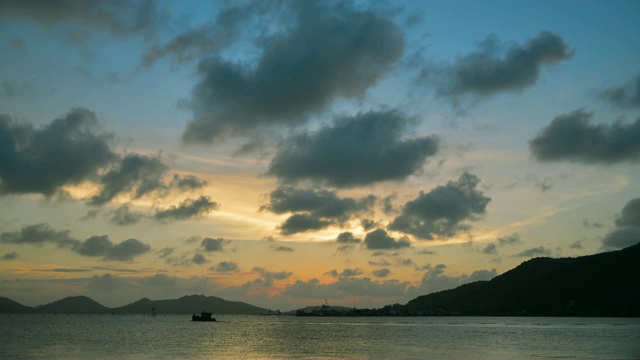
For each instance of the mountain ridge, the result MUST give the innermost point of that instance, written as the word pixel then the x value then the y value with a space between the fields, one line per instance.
pixel 605 284
pixel 187 304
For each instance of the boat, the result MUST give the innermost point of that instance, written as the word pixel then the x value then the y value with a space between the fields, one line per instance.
pixel 204 316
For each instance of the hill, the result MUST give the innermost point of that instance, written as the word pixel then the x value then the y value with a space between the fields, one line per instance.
pixel 191 304
pixel 606 284
pixel 184 305
pixel 8 306
pixel 73 305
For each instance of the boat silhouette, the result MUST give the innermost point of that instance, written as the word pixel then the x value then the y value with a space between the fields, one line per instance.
pixel 204 316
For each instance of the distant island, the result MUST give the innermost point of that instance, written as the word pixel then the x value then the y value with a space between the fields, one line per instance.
pixel 184 305
pixel 606 284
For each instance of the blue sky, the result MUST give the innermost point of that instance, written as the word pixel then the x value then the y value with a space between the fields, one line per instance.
pixel 283 153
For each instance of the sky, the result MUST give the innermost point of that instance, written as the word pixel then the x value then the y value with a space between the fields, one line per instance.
pixel 288 153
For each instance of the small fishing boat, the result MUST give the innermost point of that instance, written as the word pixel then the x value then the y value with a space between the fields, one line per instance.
pixel 204 316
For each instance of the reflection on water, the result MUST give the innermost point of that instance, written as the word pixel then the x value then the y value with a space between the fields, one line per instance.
pixel 254 337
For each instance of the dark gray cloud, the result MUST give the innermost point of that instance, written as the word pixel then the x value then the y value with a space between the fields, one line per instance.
pixel 10 89
pixel 534 252
pixel 214 245
pixel 71 150
pixel 275 247
pixel 627 232
pixel 346 287
pixel 630 215
pixel 380 273
pixel 119 17
pixel 39 234
pixel 490 249
pixel 435 280
pixel 368 224
pixel 298 223
pixel 347 238
pixel 622 238
pixel 67 151
pixel 626 95
pixel 576 245
pixel 315 209
pixel 494 68
pixel 187 209
pixel 330 52
pixel 199 259
pixel 379 263
pixel 509 239
pixel 380 240
pixel 589 223
pixel 187 182
pixel 101 246
pixel 444 211
pixel 350 272
pixel 320 203
pixel 94 246
pixel 571 137
pixel 426 252
pixel 136 175
pixel 268 277
pixel 10 256
pixel 122 216
pixel 225 267
pixel 234 23
pixel 359 150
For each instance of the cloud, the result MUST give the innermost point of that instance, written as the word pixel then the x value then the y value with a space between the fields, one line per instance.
pixel 315 209
pixel 626 95
pixel 360 150
pixel 509 239
pixel 281 248
pixel 330 52
pixel 225 267
pixel 444 211
pixel 490 249
pixel 622 238
pixel 10 256
pixel 571 137
pixel 298 223
pixel 534 252
pixel 135 174
pixel 187 209
pixel 380 273
pixel 426 252
pixel 39 234
pixel 347 238
pixel 627 232
pixel 380 240
pixel 101 246
pixel 320 203
pixel 379 263
pixel 11 90
pixel 213 245
pixel 435 280
pixel 122 216
pixel 67 151
pixel 94 246
pixel 199 259
pixel 350 272
pixel 187 182
pixel 268 277
pixel 630 215
pixel 116 17
pixel 345 287
pixel 494 68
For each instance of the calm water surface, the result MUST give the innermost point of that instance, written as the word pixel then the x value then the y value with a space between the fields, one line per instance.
pixel 271 337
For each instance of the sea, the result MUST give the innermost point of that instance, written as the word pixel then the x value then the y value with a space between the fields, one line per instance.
pixel 290 337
